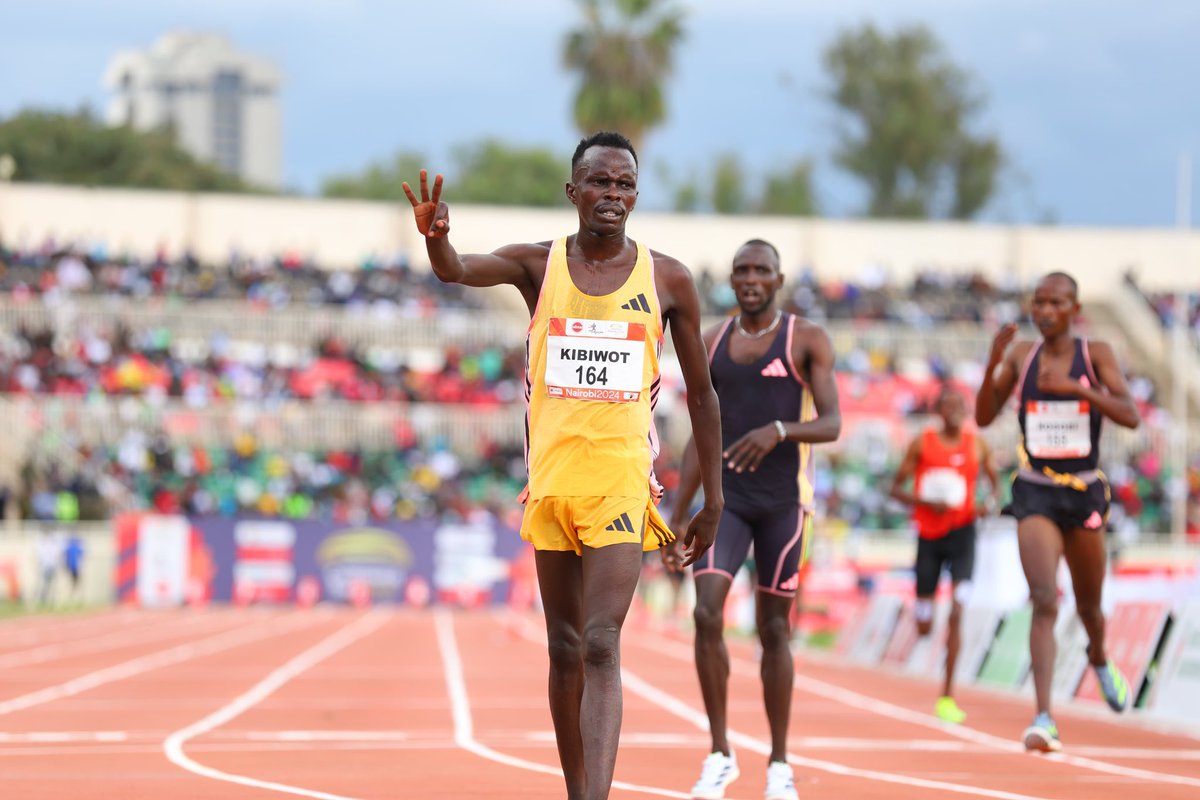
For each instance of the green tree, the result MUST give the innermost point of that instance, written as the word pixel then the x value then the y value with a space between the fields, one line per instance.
pixel 790 191
pixel 56 147
pixel 487 171
pixel 729 186
pixel 623 53
pixel 493 172
pixel 905 129
pixel 381 180
pixel 687 197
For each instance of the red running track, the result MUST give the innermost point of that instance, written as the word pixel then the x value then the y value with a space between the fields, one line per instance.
pixel 366 705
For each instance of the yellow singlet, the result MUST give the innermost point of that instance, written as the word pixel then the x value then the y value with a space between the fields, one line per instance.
pixel 592 379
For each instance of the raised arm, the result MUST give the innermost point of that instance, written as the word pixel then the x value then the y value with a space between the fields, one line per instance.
pixel 999 377
pixel 681 307
pixel 520 265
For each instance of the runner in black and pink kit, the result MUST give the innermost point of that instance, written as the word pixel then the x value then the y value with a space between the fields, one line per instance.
pixel 773 373
pixel 1066 386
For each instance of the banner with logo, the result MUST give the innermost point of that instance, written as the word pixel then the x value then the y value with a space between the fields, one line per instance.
pixel 264 560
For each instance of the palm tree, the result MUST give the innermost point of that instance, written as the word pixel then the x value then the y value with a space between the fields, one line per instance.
pixel 623 54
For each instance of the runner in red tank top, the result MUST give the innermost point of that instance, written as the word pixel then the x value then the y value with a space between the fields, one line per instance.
pixel 944 465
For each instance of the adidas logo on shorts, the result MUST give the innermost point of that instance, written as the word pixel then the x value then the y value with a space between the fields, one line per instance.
pixel 621 523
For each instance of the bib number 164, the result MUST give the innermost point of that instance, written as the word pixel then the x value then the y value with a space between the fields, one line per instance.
pixel 590 376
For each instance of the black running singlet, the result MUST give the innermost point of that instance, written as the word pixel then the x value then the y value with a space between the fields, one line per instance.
pixel 753 395
pixel 1059 432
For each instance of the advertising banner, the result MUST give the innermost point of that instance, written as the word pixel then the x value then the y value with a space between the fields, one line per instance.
pixel 167 560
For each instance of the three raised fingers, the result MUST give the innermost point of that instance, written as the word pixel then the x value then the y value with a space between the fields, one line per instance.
pixel 425 198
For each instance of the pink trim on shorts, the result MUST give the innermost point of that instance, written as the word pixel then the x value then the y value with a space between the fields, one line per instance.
pixel 713 571
pixel 798 537
pixel 788 352
pixel 712 348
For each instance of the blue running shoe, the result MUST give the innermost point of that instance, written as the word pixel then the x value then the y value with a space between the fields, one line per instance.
pixel 1042 735
pixel 1113 686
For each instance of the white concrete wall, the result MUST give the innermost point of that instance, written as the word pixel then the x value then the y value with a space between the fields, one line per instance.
pixel 340 233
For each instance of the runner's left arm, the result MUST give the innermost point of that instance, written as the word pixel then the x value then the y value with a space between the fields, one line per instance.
pixel 681 308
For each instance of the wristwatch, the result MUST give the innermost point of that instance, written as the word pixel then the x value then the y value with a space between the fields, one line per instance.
pixel 780 430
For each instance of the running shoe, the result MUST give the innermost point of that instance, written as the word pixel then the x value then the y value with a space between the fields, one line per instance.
pixel 718 772
pixel 781 785
pixel 948 711
pixel 1113 686
pixel 1042 735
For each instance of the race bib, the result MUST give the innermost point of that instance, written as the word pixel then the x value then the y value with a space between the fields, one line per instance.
pixel 1058 429
pixel 589 359
pixel 943 485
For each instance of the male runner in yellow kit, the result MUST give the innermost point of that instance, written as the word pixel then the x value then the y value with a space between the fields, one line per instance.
pixel 598 303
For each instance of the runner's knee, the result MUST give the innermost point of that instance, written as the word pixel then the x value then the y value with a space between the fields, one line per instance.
pixel 1044 600
pixel 602 644
pixel 774 631
pixel 563 649
pixel 709 619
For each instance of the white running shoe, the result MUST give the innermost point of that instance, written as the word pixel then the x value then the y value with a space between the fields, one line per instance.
pixel 719 770
pixel 781 784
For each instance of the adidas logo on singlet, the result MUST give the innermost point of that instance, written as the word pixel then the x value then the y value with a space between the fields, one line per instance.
pixel 621 523
pixel 775 369
pixel 637 304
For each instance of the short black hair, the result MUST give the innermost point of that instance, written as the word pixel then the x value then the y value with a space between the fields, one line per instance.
pixel 1064 276
pixel 602 139
pixel 762 243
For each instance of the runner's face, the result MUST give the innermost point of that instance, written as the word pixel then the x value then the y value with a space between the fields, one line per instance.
pixel 953 410
pixel 1054 306
pixel 604 188
pixel 755 278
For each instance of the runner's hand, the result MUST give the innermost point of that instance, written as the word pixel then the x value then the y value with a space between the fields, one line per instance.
pixel 672 555
pixel 747 453
pixel 701 532
pixel 1055 382
pixel 433 216
pixel 1000 343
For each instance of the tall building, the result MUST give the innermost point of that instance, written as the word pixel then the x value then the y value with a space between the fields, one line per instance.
pixel 222 103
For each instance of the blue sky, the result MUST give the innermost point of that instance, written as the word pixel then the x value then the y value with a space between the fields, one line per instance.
pixel 1093 102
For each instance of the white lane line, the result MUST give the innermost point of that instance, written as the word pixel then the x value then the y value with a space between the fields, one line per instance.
pixel 744 741
pixel 59 737
pixel 464 727
pixel 342 638
pixel 103 641
pixel 885 709
pixel 679 708
pixel 128 669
